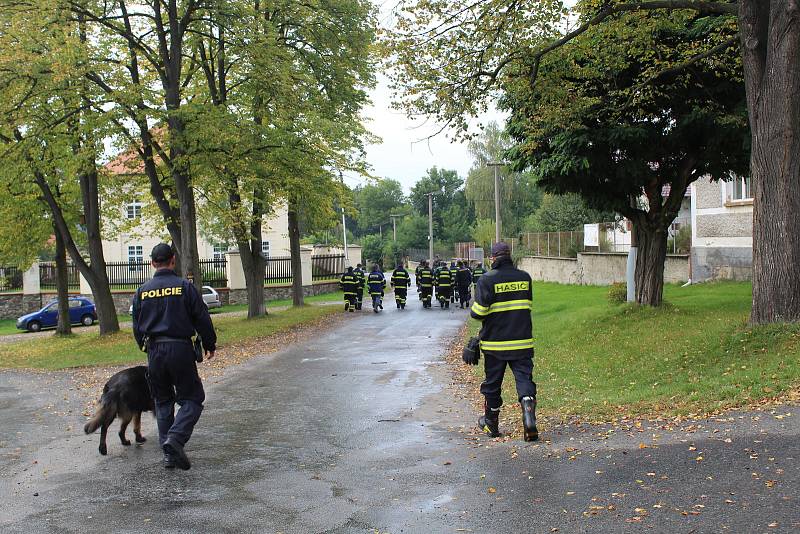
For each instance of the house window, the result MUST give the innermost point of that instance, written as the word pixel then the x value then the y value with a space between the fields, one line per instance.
pixel 739 189
pixel 135 258
pixel 265 249
pixel 133 210
pixel 220 251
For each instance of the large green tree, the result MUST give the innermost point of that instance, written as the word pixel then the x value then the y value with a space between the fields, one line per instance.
pixel 589 127
pixel 445 185
pixel 375 202
pixel 452 56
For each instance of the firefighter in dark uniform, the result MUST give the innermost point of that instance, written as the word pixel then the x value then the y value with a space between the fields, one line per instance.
pixel 444 286
pixel 503 302
pixel 167 311
pixel 361 279
pixel 425 284
pixel 400 282
pixel 376 283
pixel 463 284
pixel 453 287
pixel 477 272
pixel 348 283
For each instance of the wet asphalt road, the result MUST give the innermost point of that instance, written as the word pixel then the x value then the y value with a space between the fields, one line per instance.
pixel 358 430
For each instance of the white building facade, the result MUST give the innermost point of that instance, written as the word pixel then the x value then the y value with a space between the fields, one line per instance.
pixel 722 230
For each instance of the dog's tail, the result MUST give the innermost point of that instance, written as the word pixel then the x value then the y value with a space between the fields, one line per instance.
pixel 105 414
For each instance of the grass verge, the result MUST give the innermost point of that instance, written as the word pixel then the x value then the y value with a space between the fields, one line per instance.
pixel 91 349
pixel 696 354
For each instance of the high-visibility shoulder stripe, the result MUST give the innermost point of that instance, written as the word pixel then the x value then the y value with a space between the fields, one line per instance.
pixel 514 344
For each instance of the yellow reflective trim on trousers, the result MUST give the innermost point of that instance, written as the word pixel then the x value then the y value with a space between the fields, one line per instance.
pixel 478 309
pixel 515 344
pixel 510 305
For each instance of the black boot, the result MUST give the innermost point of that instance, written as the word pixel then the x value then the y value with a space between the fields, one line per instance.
pixel 175 450
pixel 490 422
pixel 528 405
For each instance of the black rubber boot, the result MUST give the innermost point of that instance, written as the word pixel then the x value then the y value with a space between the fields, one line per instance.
pixel 175 450
pixel 490 422
pixel 528 405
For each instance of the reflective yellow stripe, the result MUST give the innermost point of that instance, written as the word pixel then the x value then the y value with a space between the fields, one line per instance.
pixel 478 309
pixel 515 344
pixel 509 305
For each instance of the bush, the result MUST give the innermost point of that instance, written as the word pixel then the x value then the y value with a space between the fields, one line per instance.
pixel 618 293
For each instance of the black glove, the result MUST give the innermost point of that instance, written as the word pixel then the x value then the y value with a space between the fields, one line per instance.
pixel 198 350
pixel 472 351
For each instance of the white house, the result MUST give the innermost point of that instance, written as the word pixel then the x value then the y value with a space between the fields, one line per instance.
pixel 135 226
pixel 722 229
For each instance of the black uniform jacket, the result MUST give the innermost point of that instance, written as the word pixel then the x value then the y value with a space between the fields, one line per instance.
pixel 349 282
pixel 401 278
pixel 171 306
pixel 463 277
pixel 425 277
pixel 503 301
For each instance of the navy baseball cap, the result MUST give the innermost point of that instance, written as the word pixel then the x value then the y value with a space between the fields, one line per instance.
pixel 162 253
pixel 500 249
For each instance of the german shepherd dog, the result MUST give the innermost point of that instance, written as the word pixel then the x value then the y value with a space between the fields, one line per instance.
pixel 127 395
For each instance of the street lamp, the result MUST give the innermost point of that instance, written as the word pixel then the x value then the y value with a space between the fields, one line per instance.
pixel 496 198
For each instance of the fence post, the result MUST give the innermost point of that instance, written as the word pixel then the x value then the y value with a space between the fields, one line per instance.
pixel 353 255
pixel 235 271
pixel 83 285
pixel 31 284
pixel 538 244
pixel 559 244
pixel 306 273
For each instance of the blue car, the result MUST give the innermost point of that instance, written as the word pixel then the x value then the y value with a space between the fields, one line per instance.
pixel 81 311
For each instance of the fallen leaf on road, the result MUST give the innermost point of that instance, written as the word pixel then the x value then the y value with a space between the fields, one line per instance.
pixel 492 490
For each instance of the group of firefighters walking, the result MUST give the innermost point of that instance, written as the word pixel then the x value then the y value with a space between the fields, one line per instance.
pixel 452 284
pixel 503 304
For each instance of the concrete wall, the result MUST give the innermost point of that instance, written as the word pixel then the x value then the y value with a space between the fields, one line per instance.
pixel 561 270
pixel 722 263
pixel 596 268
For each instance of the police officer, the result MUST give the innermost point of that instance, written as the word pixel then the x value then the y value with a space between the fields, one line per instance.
pixel 361 279
pixel 400 282
pixel 167 311
pixel 376 283
pixel 425 284
pixel 444 286
pixel 503 302
pixel 463 283
pixel 348 283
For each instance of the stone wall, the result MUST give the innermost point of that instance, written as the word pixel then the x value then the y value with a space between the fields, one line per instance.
pixel 239 296
pixel 596 268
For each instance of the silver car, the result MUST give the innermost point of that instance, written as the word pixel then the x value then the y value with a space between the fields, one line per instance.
pixel 210 297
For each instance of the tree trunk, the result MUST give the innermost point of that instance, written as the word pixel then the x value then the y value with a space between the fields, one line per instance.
pixel 64 326
pixel 770 35
pixel 101 290
pixel 253 265
pixel 294 245
pixel 651 255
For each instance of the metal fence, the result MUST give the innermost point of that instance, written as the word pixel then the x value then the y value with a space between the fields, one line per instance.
pixel 327 266
pixel 553 244
pixel 127 274
pixel 10 279
pixel 47 276
pixel 215 272
pixel 279 270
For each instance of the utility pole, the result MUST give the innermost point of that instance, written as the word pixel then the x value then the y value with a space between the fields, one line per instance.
pixel 496 200
pixel 344 236
pixel 430 228
pixel 394 226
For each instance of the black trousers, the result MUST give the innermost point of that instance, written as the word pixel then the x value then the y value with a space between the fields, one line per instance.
pixel 495 370
pixel 359 297
pixel 173 378
pixel 400 294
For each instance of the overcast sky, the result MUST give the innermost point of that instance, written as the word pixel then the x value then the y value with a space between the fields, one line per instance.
pixel 405 155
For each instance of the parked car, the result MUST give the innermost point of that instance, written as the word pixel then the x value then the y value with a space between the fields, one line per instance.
pixel 210 297
pixel 81 311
